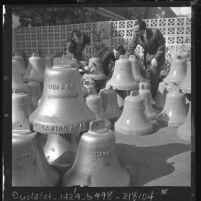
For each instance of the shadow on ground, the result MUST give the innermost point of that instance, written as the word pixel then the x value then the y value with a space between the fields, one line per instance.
pixel 145 164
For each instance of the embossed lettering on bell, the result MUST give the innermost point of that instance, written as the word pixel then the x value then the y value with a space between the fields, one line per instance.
pixel 62 107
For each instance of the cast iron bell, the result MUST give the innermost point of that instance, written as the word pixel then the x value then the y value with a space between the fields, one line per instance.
pixel 185 85
pixel 34 94
pixel 37 66
pixel 136 69
pixel 175 109
pixel 18 86
pixel 122 77
pixel 29 166
pixel 177 71
pixel 146 94
pixel 60 150
pixel 184 131
pixel 62 107
pixel 133 120
pixel 96 163
pixel 110 104
pixel 94 102
pixel 20 59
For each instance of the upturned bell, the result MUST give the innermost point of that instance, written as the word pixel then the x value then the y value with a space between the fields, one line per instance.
pixel 136 69
pixel 29 166
pixel 122 77
pixel 145 92
pixel 175 109
pixel 18 86
pixel 177 71
pixel 62 107
pixel 96 163
pixel 133 120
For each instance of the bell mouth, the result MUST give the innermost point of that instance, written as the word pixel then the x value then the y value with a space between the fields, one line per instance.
pixel 23 132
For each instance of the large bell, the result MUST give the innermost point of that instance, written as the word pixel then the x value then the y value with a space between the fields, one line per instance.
pixel 62 107
pixel 177 71
pixel 20 112
pixel 20 59
pixel 29 166
pixel 184 131
pixel 185 85
pixel 110 104
pixel 96 163
pixel 94 102
pixel 122 77
pixel 175 109
pixel 136 68
pixel 145 92
pixel 133 120
pixel 60 150
pixel 34 94
pixel 18 86
pixel 37 66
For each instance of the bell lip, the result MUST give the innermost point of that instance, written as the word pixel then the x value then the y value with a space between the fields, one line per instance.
pixel 125 87
pixel 23 133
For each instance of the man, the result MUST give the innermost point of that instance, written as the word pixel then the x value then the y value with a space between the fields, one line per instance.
pixel 153 42
pixel 110 59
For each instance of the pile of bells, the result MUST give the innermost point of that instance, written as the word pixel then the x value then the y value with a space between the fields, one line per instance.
pixel 63 127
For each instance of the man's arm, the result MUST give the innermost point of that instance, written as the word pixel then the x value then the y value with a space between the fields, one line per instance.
pixel 132 46
pixel 161 45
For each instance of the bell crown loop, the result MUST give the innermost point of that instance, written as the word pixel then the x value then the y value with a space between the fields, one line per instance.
pixel 134 93
pixel 123 57
pixel 97 126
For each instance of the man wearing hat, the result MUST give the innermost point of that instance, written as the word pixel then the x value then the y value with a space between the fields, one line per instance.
pixel 153 42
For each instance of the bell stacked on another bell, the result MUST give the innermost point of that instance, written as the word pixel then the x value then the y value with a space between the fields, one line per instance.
pixel 62 110
pixel 177 71
pixel 122 80
pixel 96 163
pixel 133 120
pixel 110 105
pixel 145 92
pixel 20 59
pixel 95 70
pixel 18 86
pixel 94 102
pixel 175 109
pixel 136 69
pixel 29 166
pixel 34 94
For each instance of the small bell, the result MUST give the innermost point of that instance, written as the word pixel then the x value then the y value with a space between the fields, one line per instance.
pixel 62 107
pixel 146 94
pixel 174 112
pixel 89 84
pixel 20 59
pixel 133 120
pixel 96 163
pixel 94 102
pixel 29 166
pixel 185 85
pixel 177 71
pixel 34 94
pixel 122 77
pixel 18 86
pixel 110 104
pixel 136 69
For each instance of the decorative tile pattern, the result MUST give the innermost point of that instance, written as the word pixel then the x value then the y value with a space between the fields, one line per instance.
pixel 177 32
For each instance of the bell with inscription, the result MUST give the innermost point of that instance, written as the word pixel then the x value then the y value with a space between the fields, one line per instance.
pixel 185 85
pixel 34 94
pixel 175 109
pixel 94 102
pixel 36 66
pixel 96 163
pixel 122 77
pixel 133 120
pixel 145 92
pixel 62 107
pixel 136 68
pixel 177 71
pixel 18 86
pixel 184 131
pixel 20 59
pixel 110 105
pixel 29 166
